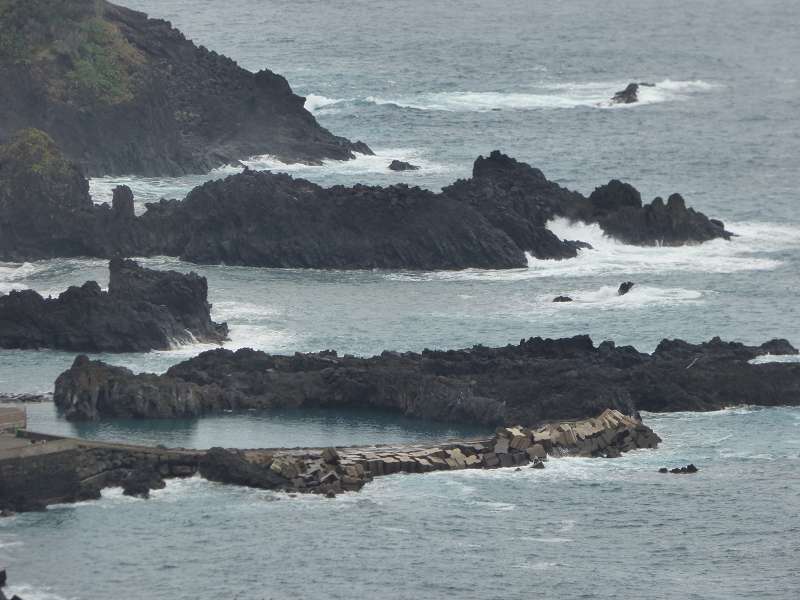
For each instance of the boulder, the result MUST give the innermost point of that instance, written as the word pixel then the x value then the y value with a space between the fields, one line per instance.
pixel 399 165
pixel 625 287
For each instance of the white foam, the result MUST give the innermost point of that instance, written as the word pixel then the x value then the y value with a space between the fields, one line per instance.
pixel 749 250
pixel 362 164
pixel 607 297
pixel 315 102
pixel 30 592
pixel 546 96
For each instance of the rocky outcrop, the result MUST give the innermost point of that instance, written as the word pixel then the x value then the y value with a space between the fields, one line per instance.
pixel 630 95
pixel 627 96
pixel 142 310
pixel 534 381
pixel 122 93
pixel 562 299
pixel 400 165
pixel 492 220
pixel 519 199
pixel 625 287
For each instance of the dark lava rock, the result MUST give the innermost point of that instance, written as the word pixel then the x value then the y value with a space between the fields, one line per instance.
pixel 663 470
pixel 142 310
pixel 680 470
pixel 535 381
pixel 399 165
pixel 627 96
pixel 562 299
pixel 493 220
pixel 625 287
pixel 139 483
pixel 122 93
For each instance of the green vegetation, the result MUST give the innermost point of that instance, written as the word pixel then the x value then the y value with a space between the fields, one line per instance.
pixel 82 58
pixel 33 151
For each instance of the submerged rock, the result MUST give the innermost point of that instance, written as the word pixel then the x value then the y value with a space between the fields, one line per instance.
pixel 399 165
pixel 537 380
pixel 625 287
pixel 630 94
pixel 627 96
pixel 159 104
pixel 142 310
pixel 562 299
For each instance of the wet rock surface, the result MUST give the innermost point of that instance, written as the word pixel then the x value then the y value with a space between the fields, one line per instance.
pixel 400 165
pixel 142 310
pixel 152 103
pixel 493 220
pixel 536 380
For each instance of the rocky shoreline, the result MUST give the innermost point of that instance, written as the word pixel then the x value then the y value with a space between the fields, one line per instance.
pixel 125 94
pixel 495 219
pixel 142 310
pixel 534 381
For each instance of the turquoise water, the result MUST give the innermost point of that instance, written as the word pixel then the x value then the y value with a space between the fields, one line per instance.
pixel 438 83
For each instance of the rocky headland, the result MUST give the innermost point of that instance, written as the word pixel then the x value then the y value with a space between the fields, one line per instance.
pixel 537 380
pixel 142 310
pixel 125 94
pixel 492 220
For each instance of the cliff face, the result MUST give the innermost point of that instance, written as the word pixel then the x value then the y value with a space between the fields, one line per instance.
pixel 121 93
pixel 142 310
pixel 535 381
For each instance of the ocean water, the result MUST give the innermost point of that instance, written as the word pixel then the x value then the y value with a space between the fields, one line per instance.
pixel 437 83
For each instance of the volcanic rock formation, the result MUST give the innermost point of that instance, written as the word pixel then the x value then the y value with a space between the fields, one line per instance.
pixel 122 93
pixel 492 220
pixel 142 310
pixel 535 381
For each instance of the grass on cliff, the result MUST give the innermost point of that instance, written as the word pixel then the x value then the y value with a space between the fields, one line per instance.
pixel 33 151
pixel 81 57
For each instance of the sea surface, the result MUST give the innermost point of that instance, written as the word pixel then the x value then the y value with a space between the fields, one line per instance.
pixel 437 83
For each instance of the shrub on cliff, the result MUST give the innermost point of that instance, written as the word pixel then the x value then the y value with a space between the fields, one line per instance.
pixel 81 57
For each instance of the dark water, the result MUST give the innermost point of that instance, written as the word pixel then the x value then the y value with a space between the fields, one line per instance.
pixel 438 83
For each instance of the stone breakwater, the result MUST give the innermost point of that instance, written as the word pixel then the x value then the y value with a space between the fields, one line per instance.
pixel 330 471
pixel 42 470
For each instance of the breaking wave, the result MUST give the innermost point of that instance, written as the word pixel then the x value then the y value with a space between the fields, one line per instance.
pixel 543 96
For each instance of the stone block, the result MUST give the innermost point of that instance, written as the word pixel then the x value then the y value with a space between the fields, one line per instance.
pixel 506 460
pixel 330 456
pixel 536 451
pixel 490 460
pixel 501 446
